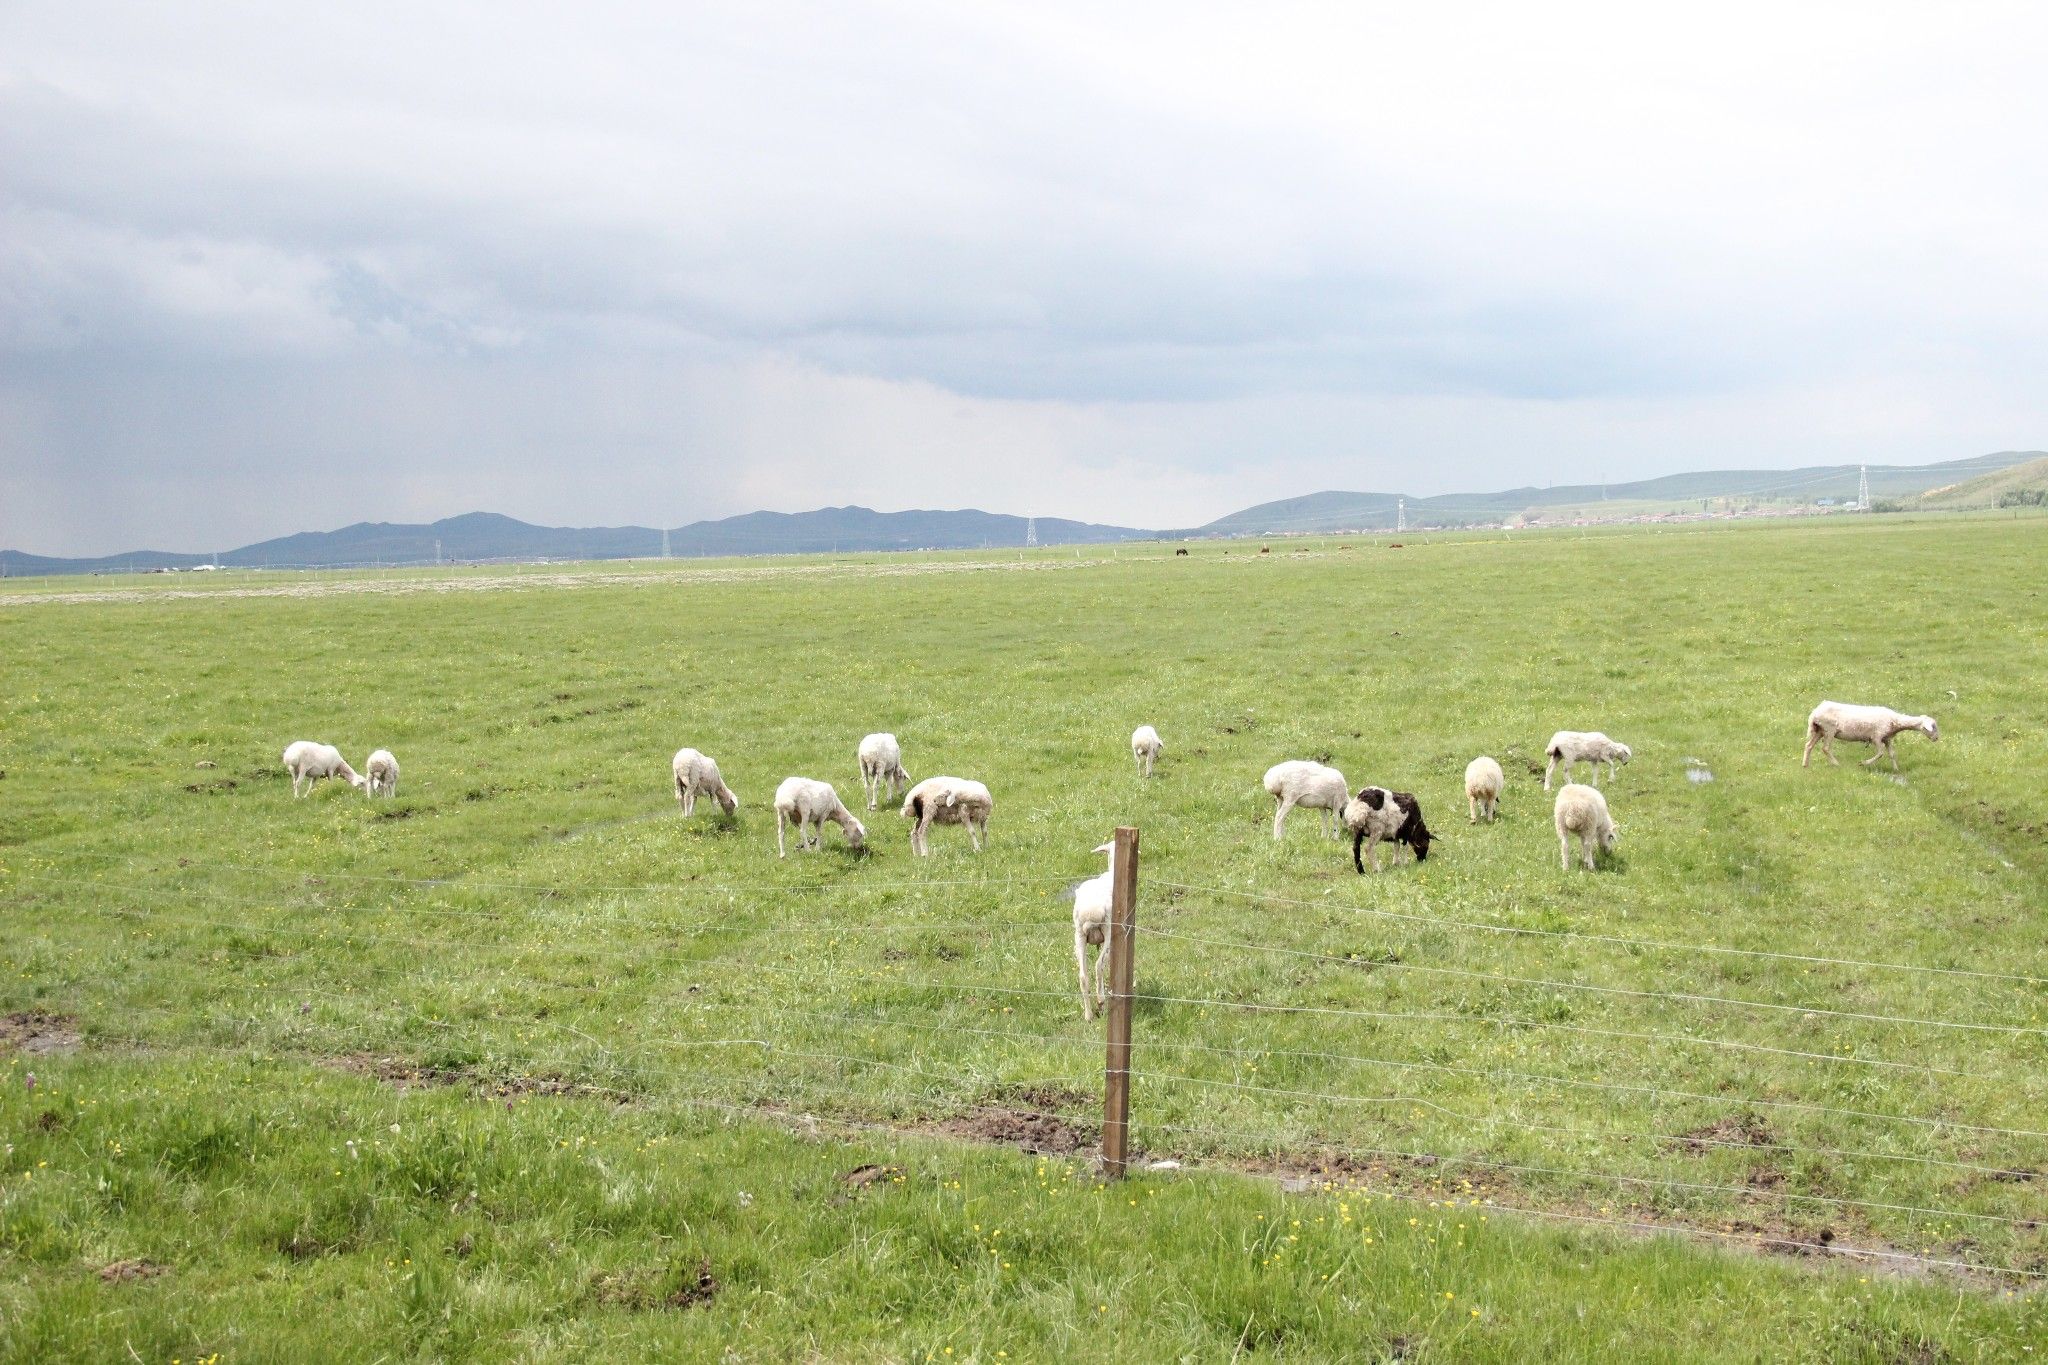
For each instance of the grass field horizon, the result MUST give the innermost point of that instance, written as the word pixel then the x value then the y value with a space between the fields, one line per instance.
pixel 565 1029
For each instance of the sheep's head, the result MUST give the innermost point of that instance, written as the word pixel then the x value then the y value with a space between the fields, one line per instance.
pixel 727 802
pixel 1927 727
pixel 1609 837
pixel 913 806
pixel 1109 848
pixel 856 833
pixel 1622 753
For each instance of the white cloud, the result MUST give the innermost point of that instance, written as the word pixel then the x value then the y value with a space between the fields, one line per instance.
pixel 908 252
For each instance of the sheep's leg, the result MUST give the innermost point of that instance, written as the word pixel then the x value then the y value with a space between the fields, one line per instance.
pixel 1549 769
pixel 1471 809
pixel 1812 733
pixel 1280 816
pixel 974 833
pixel 1081 971
pixel 780 821
pixel 1876 752
pixel 1102 966
pixel 1564 849
pixel 1372 851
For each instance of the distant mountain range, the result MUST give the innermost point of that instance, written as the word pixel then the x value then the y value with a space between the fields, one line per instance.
pixel 488 536
pixel 1676 492
pixel 482 536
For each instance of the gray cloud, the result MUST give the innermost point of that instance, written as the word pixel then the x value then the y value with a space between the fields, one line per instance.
pixel 266 268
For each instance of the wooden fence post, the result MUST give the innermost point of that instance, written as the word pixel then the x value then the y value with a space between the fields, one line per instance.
pixel 1116 1075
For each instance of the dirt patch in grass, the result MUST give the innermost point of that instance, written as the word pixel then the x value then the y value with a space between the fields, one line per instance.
pixel 405 1075
pixel 32 1033
pixel 1735 1130
pixel 136 1269
pixel 1035 1132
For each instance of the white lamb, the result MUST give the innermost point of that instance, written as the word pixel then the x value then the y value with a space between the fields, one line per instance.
pixel 808 804
pixel 308 762
pixel 1483 781
pixel 1573 747
pixel 881 760
pixel 380 774
pixel 1299 782
pixel 1872 725
pixel 696 775
pixel 947 801
pixel 1146 746
pixel 1582 813
pixel 1091 929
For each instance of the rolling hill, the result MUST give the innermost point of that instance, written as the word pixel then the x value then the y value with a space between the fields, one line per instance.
pixel 1337 511
pixel 488 536
pixel 2021 485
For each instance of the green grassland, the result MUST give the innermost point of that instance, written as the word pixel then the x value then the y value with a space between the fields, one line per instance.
pixel 595 1025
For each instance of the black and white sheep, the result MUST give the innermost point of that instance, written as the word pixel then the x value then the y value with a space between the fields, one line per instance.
pixel 1376 815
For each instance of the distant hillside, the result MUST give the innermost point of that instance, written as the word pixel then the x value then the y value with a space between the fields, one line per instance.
pixel 1336 511
pixel 487 536
pixel 2022 485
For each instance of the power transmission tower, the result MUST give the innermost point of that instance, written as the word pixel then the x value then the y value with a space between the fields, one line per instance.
pixel 1400 514
pixel 664 542
pixel 1863 488
pixel 437 549
pixel 1030 532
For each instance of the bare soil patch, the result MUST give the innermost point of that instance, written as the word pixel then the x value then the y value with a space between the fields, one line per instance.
pixel 32 1033
pixel 1038 1133
pixel 136 1269
pixel 405 1075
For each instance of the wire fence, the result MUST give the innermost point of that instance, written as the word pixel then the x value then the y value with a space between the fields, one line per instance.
pixel 923 1042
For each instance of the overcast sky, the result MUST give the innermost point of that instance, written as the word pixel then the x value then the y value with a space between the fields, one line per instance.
pixel 283 266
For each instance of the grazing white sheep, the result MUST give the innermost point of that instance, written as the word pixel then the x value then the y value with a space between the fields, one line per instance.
pixel 1872 725
pixel 308 762
pixel 808 804
pixel 1299 782
pixel 380 774
pixel 1582 813
pixel 696 775
pixel 1483 781
pixel 947 801
pixel 1376 814
pixel 1146 746
pixel 881 760
pixel 1091 929
pixel 1573 747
